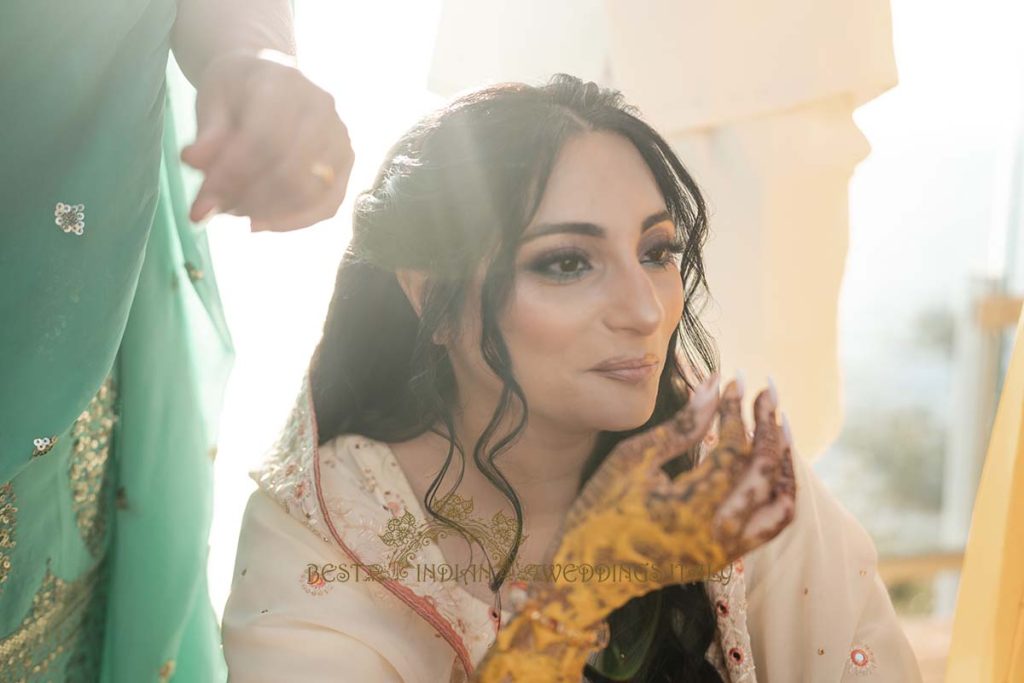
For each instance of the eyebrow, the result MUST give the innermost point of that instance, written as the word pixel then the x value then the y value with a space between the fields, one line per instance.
pixel 589 229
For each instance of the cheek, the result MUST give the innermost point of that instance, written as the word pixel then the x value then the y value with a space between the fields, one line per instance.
pixel 541 327
pixel 670 293
pixel 672 302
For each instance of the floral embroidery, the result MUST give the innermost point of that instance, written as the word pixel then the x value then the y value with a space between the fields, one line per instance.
pixel 287 475
pixel 8 521
pixel 406 537
pixel 314 584
pixel 862 660
pixel 43 445
pixel 399 529
pixel 70 217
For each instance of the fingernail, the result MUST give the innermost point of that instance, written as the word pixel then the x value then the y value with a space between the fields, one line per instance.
pixel 773 392
pixel 739 381
pixel 785 429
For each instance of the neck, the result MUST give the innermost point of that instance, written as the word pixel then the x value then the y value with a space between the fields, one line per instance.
pixel 543 466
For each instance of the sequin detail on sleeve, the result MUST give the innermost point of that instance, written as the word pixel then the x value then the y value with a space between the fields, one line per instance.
pixel 70 217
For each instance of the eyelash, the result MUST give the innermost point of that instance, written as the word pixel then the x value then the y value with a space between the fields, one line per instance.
pixel 541 265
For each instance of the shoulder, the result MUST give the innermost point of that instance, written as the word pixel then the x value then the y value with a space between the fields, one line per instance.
pixel 299 607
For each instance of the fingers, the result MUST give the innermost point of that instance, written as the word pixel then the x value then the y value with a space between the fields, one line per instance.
pixel 767 432
pixel 688 427
pixel 764 501
pixel 262 128
pixel 261 139
pixel 213 127
pixel 787 478
pixel 769 518
pixel 652 448
pixel 288 183
pixel 292 196
pixel 732 435
pixel 641 456
pixel 768 521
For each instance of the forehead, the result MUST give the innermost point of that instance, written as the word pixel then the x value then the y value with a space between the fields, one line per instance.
pixel 599 176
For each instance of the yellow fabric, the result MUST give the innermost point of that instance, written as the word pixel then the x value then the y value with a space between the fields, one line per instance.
pixel 988 631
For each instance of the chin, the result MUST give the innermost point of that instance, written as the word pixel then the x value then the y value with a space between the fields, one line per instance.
pixel 624 419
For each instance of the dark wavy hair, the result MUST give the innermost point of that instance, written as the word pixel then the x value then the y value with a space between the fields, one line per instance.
pixel 454 193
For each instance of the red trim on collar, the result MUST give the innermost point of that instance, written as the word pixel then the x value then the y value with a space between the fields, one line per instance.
pixel 406 595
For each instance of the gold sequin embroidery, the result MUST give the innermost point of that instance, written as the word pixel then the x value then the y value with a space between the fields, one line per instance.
pixel 8 519
pixel 91 435
pixel 43 445
pixel 167 670
pixel 195 274
pixel 52 627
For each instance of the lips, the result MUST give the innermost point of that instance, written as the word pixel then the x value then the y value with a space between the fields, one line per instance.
pixel 633 370
pixel 633 375
pixel 627 363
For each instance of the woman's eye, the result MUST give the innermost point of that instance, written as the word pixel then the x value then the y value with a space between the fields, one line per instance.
pixel 569 265
pixel 565 265
pixel 561 266
pixel 666 253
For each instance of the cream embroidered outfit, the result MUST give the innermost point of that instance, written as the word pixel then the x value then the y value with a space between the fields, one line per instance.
pixel 808 606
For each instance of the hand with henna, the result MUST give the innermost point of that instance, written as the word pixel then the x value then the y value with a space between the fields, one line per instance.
pixel 631 514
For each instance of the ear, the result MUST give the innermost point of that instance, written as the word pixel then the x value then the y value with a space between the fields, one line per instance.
pixel 412 282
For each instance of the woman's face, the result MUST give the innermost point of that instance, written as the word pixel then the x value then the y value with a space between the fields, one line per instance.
pixel 595 282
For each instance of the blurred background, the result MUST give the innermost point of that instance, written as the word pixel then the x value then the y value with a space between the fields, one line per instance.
pixel 931 290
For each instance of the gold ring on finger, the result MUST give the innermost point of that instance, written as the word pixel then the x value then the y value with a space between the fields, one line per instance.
pixel 323 172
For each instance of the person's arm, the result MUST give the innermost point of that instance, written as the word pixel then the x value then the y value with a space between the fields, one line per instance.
pixel 278 627
pixel 205 29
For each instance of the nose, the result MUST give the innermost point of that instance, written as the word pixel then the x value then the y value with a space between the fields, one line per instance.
pixel 633 301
